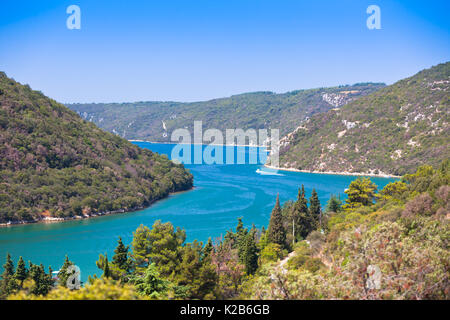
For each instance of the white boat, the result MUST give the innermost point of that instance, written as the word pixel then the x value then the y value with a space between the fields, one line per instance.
pixel 268 172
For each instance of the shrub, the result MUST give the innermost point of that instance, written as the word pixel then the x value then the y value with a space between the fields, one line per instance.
pixel 316 240
pixel 313 264
pixel 420 205
pixel 297 261
pixel 272 252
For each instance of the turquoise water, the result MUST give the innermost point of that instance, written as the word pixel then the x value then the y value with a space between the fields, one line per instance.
pixel 222 193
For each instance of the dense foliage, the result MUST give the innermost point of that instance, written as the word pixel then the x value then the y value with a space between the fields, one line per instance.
pixel 393 130
pixel 257 110
pixel 387 245
pixel 395 248
pixel 54 164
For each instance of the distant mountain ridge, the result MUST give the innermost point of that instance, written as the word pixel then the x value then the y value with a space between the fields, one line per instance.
pixel 391 131
pixel 55 165
pixel 155 121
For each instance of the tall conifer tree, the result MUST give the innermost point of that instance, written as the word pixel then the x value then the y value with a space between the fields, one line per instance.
pixel 208 248
pixel 21 271
pixel 299 215
pixel 314 209
pixel 7 284
pixel 250 254
pixel 8 267
pixel 106 271
pixel 120 258
pixel 277 233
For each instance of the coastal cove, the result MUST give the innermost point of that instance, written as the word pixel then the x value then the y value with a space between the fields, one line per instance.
pixel 221 194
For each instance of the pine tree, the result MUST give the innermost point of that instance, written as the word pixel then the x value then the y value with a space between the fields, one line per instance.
pixel 63 273
pixel 196 274
pixel 141 247
pixel 151 283
pixel 120 258
pixel 42 281
pixel 208 248
pixel 276 230
pixel 250 254
pixel 300 217
pixel 8 267
pixel 166 247
pixel 263 241
pixel 50 280
pixel 333 205
pixel 240 227
pixel 21 271
pixel 314 209
pixel 7 284
pixel 106 271
pixel 241 233
pixel 361 192
pixel 208 280
pixel 101 262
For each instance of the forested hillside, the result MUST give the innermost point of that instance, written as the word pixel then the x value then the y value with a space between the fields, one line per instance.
pixel 379 244
pixel 155 121
pixel 55 164
pixel 393 130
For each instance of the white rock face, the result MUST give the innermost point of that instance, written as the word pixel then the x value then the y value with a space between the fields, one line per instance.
pixel 338 99
pixel 285 141
pixel 419 117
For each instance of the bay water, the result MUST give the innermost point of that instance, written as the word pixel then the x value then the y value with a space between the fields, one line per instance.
pixel 222 193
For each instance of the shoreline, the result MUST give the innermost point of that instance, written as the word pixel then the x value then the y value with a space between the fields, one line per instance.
pixel 203 144
pixel 344 173
pixel 86 217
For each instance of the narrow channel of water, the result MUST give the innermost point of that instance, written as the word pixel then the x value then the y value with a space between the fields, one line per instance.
pixel 222 193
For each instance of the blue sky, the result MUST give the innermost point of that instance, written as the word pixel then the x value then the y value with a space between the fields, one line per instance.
pixel 201 49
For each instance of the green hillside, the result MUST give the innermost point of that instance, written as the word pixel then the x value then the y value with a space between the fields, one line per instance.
pixel 388 244
pixel 393 130
pixel 258 110
pixel 55 164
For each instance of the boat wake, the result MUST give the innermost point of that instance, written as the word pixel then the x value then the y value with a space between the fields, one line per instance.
pixel 268 172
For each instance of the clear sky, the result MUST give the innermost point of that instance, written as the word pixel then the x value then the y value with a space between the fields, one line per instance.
pixel 201 49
